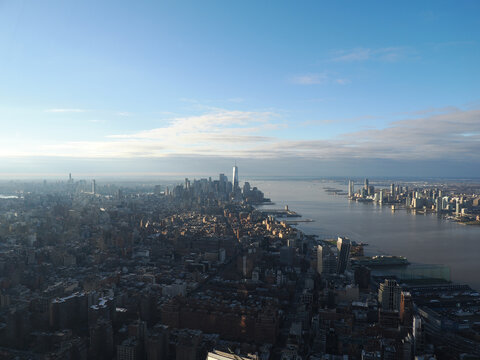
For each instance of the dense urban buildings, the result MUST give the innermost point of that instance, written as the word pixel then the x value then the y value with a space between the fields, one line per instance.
pixel 459 201
pixel 92 270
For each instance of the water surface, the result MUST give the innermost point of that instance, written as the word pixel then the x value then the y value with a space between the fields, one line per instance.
pixel 421 238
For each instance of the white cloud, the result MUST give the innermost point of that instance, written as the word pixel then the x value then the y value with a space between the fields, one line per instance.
pixel 219 133
pixel 449 134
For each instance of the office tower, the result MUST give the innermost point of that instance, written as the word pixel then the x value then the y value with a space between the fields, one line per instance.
pixel 319 259
pixel 343 246
pixel 392 190
pixel 380 196
pixel 246 188
pixel 457 207
pixel 351 188
pixel 94 187
pixel 445 203
pixel 366 185
pixel 389 295
pixel 326 260
pixel 235 177
pixel 222 183
pixel 418 335
pixel 129 349
pixel 406 309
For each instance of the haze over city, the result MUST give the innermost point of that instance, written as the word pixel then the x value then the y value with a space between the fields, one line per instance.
pixel 300 89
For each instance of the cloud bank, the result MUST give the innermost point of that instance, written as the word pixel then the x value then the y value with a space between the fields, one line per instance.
pixel 448 133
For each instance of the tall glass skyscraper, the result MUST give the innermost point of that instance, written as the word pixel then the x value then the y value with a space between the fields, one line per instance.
pixel 235 177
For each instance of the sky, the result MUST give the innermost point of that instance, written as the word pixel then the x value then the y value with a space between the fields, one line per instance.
pixel 310 88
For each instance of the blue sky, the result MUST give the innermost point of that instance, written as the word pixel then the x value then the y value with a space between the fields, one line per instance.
pixel 204 81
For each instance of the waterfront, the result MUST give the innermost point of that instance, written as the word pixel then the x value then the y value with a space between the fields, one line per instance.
pixel 421 238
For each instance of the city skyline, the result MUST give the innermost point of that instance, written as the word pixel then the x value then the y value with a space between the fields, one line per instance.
pixel 239 180
pixel 317 89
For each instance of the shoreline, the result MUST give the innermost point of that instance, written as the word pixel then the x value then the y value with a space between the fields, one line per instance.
pixel 316 238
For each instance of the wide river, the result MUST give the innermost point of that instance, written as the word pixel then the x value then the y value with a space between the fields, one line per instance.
pixel 421 238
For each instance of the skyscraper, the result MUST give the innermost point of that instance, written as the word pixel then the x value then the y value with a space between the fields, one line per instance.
pixel 351 189
pixel 389 295
pixel 94 187
pixel 326 260
pixel 235 178
pixel 366 185
pixel 343 246
pixel 319 259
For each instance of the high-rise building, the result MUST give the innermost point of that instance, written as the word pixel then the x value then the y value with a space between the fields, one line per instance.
pixel 392 190
pixel 222 183
pixel 389 295
pixel 366 185
pixel 418 335
pixel 94 187
pixel 406 309
pixel 326 260
pixel 235 178
pixel 129 349
pixel 246 188
pixel 319 259
pixel 343 246
pixel 351 188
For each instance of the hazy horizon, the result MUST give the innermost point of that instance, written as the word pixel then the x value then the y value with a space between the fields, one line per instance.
pixel 171 167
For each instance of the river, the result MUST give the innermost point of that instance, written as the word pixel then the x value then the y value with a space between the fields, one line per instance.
pixel 421 238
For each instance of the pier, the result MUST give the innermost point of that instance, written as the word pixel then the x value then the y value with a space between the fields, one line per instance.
pixel 282 212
